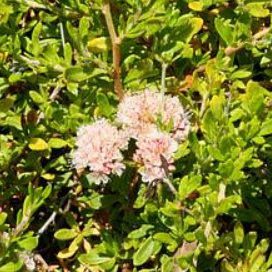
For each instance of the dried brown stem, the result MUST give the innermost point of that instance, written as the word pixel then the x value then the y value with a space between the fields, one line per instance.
pixel 116 48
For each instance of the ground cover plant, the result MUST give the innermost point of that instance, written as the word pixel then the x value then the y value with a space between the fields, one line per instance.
pixel 135 135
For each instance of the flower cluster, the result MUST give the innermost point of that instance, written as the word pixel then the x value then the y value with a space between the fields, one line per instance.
pixel 140 112
pixel 99 148
pixel 154 152
pixel 100 145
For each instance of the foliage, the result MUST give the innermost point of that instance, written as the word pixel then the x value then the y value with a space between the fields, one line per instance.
pixel 64 64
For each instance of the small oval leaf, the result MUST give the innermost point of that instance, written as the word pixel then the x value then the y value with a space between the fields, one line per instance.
pixel 65 234
pixel 37 144
pixel 144 252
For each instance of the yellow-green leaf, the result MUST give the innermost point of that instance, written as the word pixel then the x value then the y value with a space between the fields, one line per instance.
pixel 48 176
pixel 37 144
pixel 99 45
pixel 65 234
pixel 257 10
pixel 6 104
pixel 144 252
pixel 65 253
pixel 57 143
pixel 196 5
pixel 12 266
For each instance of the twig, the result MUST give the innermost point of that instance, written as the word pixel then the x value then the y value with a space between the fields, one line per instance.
pixel 229 51
pixel 55 93
pixel 163 76
pixel 116 50
pixel 203 105
pixel 47 223
pixel 62 35
pixel 54 214
pixel 170 186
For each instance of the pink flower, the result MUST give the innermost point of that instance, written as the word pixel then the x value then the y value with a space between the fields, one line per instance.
pixel 152 148
pixel 138 113
pixel 99 147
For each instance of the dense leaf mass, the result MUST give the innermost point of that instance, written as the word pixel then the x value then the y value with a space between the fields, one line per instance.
pixel 66 65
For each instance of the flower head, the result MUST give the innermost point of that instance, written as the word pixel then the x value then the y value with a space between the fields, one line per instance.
pixel 138 113
pixel 154 153
pixel 99 147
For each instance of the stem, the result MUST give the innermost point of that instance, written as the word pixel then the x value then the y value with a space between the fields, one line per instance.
pixel 116 46
pixel 163 76
pixel 229 51
pixel 54 214
pixel 170 186
pixel 21 226
pixel 203 105
pixel 47 223
pixel 62 36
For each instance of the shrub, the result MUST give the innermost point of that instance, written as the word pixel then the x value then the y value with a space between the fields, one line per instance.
pixel 66 66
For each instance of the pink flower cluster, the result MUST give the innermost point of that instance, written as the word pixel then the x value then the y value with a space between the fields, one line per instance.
pixel 139 112
pixel 99 148
pixel 152 148
pixel 100 145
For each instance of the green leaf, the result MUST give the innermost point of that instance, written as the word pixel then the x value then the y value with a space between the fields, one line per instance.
pixel 228 203
pixel 57 143
pixel 6 104
pixel 99 45
pixel 141 232
pixel 66 253
pixel 195 25
pixel 3 217
pixel 254 97
pixel 226 266
pixel 144 252
pixel 75 74
pixel 164 237
pixel 240 74
pixel 238 232
pixel 47 191
pixel 196 5
pixel 12 266
pixel 266 128
pixel 14 121
pixel 68 53
pixel 94 259
pixel 29 243
pixel 257 10
pixel 188 185
pixel 36 97
pixel 236 114
pixel 225 169
pixel 224 30
pixel 182 151
pixel 65 234
pixel 104 105
pixel 249 242
pixel 37 144
pixel 217 106
pixel 216 153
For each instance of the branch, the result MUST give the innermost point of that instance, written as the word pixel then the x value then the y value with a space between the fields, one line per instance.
pixel 54 214
pixel 116 52
pixel 233 49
